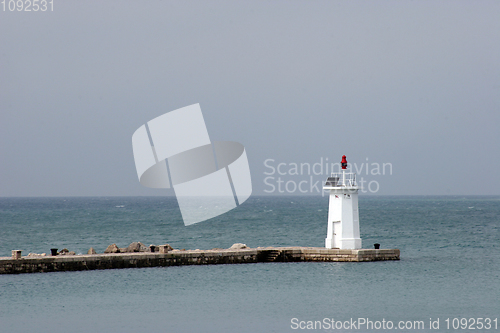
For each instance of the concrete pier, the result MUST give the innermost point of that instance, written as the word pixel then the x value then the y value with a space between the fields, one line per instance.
pixel 11 265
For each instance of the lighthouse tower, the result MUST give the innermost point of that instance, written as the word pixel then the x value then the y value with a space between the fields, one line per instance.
pixel 343 214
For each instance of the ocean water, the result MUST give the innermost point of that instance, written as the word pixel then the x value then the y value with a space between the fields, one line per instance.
pixel 449 267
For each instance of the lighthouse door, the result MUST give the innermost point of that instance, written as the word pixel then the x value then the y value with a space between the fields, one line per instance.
pixel 336 218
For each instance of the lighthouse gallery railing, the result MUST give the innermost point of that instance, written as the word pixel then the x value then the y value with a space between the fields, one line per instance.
pixel 341 180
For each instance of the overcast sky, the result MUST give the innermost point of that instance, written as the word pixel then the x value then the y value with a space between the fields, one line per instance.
pixel 412 83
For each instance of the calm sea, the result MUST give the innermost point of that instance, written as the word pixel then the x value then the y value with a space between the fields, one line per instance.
pixel 449 267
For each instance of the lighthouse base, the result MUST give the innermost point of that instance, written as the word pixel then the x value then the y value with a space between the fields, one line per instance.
pixel 343 244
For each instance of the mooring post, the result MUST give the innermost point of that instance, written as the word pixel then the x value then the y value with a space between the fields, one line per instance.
pixel 16 254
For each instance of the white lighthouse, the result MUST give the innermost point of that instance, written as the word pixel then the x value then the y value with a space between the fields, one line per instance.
pixel 343 214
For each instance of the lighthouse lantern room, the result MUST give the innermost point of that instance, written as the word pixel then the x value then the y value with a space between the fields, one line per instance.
pixel 343 214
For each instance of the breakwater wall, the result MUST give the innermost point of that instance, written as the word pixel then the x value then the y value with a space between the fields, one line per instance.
pixel 19 264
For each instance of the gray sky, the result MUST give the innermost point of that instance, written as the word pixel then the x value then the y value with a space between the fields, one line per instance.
pixel 412 83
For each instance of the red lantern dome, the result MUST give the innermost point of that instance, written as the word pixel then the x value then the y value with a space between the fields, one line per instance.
pixel 344 163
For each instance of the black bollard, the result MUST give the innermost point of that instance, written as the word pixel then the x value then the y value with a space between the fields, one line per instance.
pixel 377 246
pixel 153 248
pixel 53 252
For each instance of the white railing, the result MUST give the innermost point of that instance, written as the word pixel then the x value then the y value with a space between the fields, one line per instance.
pixel 341 180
